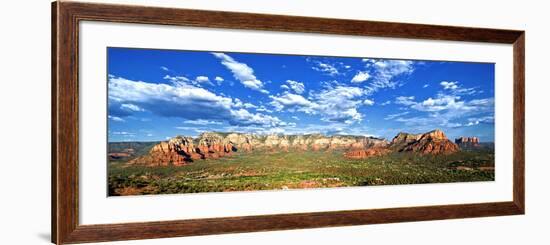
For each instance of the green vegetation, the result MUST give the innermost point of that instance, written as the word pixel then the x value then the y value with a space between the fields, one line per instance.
pixel 266 171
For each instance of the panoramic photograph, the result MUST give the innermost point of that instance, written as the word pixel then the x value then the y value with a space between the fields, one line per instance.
pixel 213 121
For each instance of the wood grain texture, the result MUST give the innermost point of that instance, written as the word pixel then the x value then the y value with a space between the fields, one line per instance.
pixel 196 227
pixel 234 20
pixel 54 123
pixel 65 124
pixel 519 122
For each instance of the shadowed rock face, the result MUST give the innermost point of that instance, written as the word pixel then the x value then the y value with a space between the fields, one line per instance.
pixel 182 150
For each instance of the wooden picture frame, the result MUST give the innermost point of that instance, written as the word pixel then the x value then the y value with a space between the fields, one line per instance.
pixel 65 121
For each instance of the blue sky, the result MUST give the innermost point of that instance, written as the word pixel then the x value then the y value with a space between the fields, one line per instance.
pixel 157 94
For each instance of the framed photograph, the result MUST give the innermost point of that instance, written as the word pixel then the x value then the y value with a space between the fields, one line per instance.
pixel 176 122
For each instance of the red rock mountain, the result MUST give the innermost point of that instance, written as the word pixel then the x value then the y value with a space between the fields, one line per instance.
pixel 433 142
pixel 467 141
pixel 182 150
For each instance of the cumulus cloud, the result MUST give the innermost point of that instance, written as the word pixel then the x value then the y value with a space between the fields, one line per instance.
pixel 242 72
pixel 385 73
pixel 203 79
pixel 449 85
pixel 326 68
pixel 164 68
pixel 176 79
pixel 445 110
pixel 405 100
pixel 239 104
pixel 182 100
pixel 368 102
pixel 297 87
pixel 360 77
pixel 292 103
pixel 219 80
pixel 476 121
pixel 457 89
pixel 336 104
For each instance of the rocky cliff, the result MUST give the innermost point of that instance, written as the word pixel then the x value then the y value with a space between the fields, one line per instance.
pixel 182 150
pixel 433 142
pixel 467 141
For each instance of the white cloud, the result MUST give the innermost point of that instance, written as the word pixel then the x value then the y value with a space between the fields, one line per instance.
pixel 130 107
pixel 295 118
pixel 334 104
pixel 457 89
pixel 368 102
pixel 263 109
pixel 249 105
pixel 123 133
pixel 181 100
pixel 242 72
pixel 360 77
pixel 386 103
pixel 202 79
pixel 246 117
pixel 445 110
pixel 115 118
pixel 425 86
pixel 293 102
pixel 298 87
pixel 405 100
pixel 476 121
pixel 219 80
pixel 449 85
pixel 202 122
pixel 392 116
pixel 441 102
pixel 385 73
pixel 326 68
pixel 164 68
pixel 177 79
pixel 339 104
pixel 239 104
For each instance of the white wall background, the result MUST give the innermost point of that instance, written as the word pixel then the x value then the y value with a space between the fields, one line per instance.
pixel 25 121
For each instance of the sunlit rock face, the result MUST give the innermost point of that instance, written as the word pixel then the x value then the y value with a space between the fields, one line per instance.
pixel 434 142
pixel 182 150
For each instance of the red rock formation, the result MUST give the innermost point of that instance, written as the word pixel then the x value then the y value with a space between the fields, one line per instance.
pixel 467 141
pixel 184 150
pixel 162 154
pixel 361 154
pixel 434 142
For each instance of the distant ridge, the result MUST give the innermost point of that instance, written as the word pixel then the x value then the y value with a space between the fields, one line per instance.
pixel 182 150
